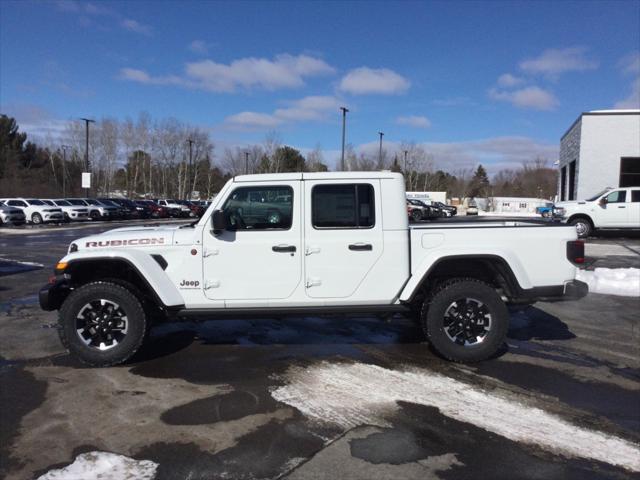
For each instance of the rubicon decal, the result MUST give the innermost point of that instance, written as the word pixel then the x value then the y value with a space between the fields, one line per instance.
pixel 124 243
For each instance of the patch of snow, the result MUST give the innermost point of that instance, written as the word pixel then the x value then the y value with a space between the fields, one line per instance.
pixel 104 466
pixel 359 394
pixel 612 281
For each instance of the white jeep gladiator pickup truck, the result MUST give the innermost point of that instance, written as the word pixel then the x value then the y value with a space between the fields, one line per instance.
pixel 613 208
pixel 310 243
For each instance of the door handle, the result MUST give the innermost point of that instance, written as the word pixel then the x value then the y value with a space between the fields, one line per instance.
pixel 284 248
pixel 622 206
pixel 359 247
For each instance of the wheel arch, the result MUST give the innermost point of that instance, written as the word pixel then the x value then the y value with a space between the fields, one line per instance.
pixel 491 269
pixel 584 216
pixel 145 272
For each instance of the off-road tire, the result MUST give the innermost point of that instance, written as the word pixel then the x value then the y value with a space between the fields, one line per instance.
pixel 36 219
pixel 435 306
pixel 128 302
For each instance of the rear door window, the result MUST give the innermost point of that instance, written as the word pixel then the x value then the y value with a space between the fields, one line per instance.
pixel 343 206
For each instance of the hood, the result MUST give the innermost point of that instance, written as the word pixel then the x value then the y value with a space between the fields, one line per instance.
pixel 570 203
pixel 129 237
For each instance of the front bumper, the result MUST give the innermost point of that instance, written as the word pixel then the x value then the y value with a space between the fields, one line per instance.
pixel 52 295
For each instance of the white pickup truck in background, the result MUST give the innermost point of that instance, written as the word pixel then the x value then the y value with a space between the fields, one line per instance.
pixel 310 243
pixel 611 209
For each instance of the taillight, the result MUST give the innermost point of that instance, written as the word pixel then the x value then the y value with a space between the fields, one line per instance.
pixel 575 251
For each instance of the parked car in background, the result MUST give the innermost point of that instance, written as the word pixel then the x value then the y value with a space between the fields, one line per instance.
pixel 11 215
pixel 97 211
pixel 175 209
pixel 70 212
pixel 121 213
pixel 35 211
pixel 421 211
pixel 448 210
pixel 611 209
pixel 196 209
pixel 472 209
pixel 155 210
pixel 128 209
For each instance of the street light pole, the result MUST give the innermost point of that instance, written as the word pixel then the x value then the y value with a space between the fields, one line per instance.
pixel 64 169
pixel 344 122
pixel 404 170
pixel 246 163
pixel 188 195
pixel 380 151
pixel 87 121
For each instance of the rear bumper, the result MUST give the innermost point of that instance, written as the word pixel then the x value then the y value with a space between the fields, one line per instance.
pixel 572 290
pixel 52 295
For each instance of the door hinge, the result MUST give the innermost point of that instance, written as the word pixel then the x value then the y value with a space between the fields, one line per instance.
pixel 211 284
pixel 311 250
pixel 210 252
pixel 313 282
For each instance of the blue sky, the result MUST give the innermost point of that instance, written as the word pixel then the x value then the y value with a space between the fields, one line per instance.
pixel 492 82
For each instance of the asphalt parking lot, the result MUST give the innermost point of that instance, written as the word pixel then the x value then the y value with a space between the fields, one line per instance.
pixel 316 398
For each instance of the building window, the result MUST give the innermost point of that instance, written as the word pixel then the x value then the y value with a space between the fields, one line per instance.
pixel 572 180
pixel 563 184
pixel 343 206
pixel 630 172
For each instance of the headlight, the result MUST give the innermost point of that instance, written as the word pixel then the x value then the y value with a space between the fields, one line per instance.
pixel 560 211
pixel 73 248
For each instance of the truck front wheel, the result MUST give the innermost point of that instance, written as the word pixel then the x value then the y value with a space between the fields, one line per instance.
pixel 465 320
pixel 102 324
pixel 583 226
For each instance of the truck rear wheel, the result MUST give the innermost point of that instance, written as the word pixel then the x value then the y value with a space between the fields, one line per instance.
pixel 465 320
pixel 102 324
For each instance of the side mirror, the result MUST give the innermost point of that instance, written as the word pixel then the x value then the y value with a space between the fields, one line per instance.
pixel 219 222
pixel 603 201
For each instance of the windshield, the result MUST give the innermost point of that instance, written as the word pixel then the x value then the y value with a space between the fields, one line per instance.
pixel 49 202
pixel 33 201
pixel 78 202
pixel 62 203
pixel 595 197
pixel 91 201
pixel 109 203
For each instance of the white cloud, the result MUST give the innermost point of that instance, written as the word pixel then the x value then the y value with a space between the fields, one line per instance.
pixel 136 27
pixel 312 108
pixel 253 120
pixel 553 62
pixel 508 80
pixel 414 121
pixel 199 46
pixel 364 80
pixel 630 64
pixel 284 71
pixel 633 100
pixel 533 97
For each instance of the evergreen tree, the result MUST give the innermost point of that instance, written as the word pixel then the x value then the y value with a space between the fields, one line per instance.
pixel 479 185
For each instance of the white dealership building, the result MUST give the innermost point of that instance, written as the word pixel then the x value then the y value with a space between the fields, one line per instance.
pixel 601 149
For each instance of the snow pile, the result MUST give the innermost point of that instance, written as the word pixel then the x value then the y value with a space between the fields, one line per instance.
pixel 361 394
pixel 104 466
pixel 612 281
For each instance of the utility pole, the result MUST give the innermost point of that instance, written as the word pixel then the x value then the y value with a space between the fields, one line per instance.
pixel 380 151
pixel 246 163
pixel 188 182
pixel 344 122
pixel 87 121
pixel 64 169
pixel 404 170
